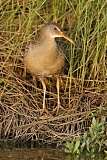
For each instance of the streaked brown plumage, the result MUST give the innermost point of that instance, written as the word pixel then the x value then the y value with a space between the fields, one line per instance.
pixel 44 58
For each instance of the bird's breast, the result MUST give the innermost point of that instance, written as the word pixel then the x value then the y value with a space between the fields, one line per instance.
pixel 44 62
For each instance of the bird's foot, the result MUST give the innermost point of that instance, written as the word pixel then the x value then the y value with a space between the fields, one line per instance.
pixel 44 110
pixel 58 107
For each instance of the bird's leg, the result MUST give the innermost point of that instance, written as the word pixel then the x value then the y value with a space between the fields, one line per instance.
pixel 24 73
pixel 58 103
pixel 57 86
pixel 44 96
pixel 44 93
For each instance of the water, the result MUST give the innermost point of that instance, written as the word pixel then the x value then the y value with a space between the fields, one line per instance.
pixel 45 154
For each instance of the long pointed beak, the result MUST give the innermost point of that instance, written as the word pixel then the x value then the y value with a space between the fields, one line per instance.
pixel 68 38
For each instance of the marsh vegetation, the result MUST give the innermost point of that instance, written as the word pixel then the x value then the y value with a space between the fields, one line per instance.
pixel 83 88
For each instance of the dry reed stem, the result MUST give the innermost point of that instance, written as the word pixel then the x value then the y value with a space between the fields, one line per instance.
pixel 21 102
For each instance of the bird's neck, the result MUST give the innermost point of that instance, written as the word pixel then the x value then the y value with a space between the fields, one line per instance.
pixel 49 43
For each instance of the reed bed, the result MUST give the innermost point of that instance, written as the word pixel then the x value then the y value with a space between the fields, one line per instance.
pixel 83 87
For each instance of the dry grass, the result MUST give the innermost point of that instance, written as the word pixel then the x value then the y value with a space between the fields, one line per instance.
pixel 83 88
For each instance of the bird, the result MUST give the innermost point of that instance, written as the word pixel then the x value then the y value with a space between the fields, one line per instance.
pixel 44 58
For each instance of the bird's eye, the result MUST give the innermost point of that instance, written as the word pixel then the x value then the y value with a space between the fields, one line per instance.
pixel 55 28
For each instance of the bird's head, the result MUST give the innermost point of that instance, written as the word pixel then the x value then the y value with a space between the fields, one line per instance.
pixel 54 30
